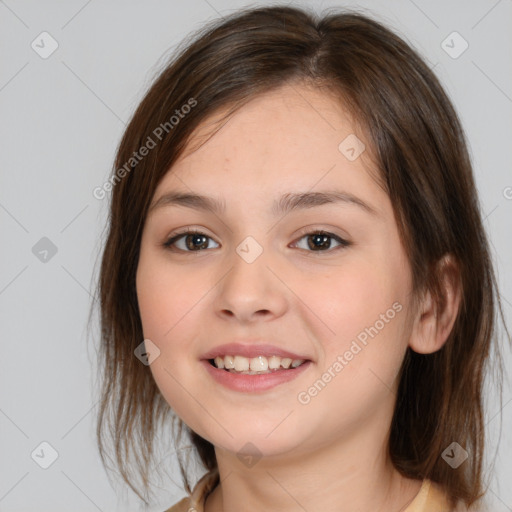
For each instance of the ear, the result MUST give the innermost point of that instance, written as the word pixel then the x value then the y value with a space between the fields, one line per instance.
pixel 434 320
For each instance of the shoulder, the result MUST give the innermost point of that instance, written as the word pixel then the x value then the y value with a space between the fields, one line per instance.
pixel 195 502
pixel 181 506
pixel 438 500
pixel 432 498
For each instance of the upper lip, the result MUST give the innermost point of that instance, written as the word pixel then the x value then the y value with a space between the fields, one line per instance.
pixel 250 350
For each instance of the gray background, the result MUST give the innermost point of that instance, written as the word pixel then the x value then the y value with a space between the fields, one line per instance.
pixel 61 119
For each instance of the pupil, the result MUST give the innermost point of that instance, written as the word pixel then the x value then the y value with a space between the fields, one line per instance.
pixel 196 238
pixel 321 239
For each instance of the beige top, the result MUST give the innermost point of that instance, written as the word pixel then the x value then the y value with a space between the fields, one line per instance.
pixel 429 499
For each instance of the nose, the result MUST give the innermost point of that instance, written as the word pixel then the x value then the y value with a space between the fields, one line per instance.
pixel 251 291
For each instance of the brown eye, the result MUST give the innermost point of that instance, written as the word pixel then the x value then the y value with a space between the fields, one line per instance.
pixel 194 241
pixel 321 241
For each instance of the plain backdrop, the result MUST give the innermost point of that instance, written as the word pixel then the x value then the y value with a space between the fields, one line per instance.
pixel 61 117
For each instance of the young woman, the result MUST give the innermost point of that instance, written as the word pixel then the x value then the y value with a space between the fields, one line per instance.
pixel 297 272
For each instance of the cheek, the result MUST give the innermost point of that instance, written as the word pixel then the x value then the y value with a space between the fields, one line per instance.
pixel 356 379
pixel 169 306
pixel 364 308
pixel 354 298
pixel 164 299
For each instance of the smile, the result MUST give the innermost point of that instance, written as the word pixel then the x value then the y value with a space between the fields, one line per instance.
pixel 254 381
pixel 254 365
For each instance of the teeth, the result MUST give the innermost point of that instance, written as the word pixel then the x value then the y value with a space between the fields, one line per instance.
pixel 256 365
pixel 274 362
pixel 286 362
pixel 259 364
pixel 241 364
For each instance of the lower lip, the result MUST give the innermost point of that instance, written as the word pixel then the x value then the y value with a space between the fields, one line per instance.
pixel 253 383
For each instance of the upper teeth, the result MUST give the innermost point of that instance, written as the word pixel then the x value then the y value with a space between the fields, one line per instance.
pixel 256 364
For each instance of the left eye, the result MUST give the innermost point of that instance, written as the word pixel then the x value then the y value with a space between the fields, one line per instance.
pixel 195 241
pixel 320 241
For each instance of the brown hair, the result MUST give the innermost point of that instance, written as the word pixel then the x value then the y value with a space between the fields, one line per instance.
pixel 423 163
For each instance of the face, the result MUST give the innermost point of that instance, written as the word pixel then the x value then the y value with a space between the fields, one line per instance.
pixel 325 282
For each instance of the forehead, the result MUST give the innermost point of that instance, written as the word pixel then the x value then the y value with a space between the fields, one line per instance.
pixel 289 137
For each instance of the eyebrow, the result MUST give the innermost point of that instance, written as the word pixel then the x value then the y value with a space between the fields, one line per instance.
pixel 287 202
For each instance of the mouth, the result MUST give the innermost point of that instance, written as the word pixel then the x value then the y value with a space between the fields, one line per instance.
pixel 249 366
pixel 259 365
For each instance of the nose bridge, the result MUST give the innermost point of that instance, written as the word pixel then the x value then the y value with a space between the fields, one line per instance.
pixel 248 266
pixel 249 286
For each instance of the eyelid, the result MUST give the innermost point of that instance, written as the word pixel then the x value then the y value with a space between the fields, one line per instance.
pixel 330 230
pixel 343 241
pixel 188 230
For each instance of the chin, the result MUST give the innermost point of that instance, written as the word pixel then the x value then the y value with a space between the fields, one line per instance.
pixel 248 442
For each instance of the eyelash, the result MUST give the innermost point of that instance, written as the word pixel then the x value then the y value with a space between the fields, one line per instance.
pixel 176 236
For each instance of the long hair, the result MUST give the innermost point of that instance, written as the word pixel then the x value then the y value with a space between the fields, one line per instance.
pixel 424 166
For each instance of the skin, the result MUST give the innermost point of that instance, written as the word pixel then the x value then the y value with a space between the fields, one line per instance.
pixel 310 302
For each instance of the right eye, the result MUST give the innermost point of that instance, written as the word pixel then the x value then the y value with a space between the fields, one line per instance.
pixel 194 241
